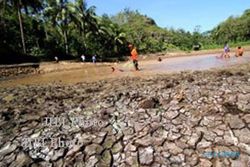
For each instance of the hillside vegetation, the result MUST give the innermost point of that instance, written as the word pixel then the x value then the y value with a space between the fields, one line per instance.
pixel 48 28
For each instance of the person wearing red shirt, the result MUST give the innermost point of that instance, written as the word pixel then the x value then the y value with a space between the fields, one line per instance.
pixel 134 56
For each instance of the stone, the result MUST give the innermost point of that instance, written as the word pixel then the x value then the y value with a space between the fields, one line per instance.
pixel 117 157
pixel 209 136
pixel 247 118
pixel 178 159
pixel 21 160
pixel 148 103
pixel 194 139
pixel 242 161
pixel 192 160
pixel 244 102
pixel 218 132
pixel 205 163
pixel 145 141
pixel 130 147
pixel 106 159
pixel 91 162
pixel 173 136
pixel 8 159
pixel 172 148
pixel 219 162
pixel 74 149
pixel 117 148
pixel 7 148
pixel 235 122
pixel 172 114
pixel 57 154
pixel 243 135
pixel 93 149
pixel 203 144
pixel 146 156
pixel 131 159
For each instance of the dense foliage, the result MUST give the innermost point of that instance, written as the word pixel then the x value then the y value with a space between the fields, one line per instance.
pixel 234 29
pixel 48 28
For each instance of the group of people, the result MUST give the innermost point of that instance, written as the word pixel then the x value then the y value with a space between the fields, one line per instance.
pixel 225 54
pixel 84 58
pixel 134 55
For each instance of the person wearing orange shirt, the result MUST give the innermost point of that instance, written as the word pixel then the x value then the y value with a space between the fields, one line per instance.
pixel 134 56
pixel 239 51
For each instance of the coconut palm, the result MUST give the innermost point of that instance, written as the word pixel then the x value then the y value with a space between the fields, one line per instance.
pixel 60 13
pixel 28 6
pixel 85 20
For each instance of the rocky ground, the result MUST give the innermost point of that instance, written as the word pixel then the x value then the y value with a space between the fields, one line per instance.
pixel 186 119
pixel 17 71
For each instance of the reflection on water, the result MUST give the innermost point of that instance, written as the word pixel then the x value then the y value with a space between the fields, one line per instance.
pixel 94 73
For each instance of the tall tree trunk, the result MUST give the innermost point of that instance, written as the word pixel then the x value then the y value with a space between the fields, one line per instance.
pixel 21 27
pixel 2 20
pixel 66 42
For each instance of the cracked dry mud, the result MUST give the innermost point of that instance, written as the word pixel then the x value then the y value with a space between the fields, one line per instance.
pixel 165 120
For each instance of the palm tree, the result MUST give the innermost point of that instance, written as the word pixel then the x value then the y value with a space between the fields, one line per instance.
pixel 18 5
pixel 85 19
pixel 60 13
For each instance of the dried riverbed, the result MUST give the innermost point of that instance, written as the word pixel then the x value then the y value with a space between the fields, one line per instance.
pixel 164 120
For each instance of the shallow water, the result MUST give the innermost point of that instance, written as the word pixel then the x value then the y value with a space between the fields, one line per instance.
pixel 202 62
pixel 95 72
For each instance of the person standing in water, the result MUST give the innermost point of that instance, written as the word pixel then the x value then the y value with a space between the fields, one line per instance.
pixel 226 51
pixel 239 51
pixel 134 56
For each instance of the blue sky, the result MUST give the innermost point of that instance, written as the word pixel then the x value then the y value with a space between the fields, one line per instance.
pixel 184 14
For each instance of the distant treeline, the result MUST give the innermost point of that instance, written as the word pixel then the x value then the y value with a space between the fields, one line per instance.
pixel 67 29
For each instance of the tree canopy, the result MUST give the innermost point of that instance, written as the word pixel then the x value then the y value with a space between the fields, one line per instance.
pixel 64 28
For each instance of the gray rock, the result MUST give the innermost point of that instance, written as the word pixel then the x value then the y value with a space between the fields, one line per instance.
pixel 192 160
pixel 148 103
pixel 57 154
pixel 93 149
pixel 234 121
pixel 172 148
pixel 21 160
pixel 131 159
pixel 7 148
pixel 205 163
pixel 145 141
pixel 106 159
pixel 178 159
pixel 91 162
pixel 194 139
pixel 117 148
pixel 146 155
pixel 172 114
pixel 247 118
pixel 243 135
pixel 203 144
pixel 130 147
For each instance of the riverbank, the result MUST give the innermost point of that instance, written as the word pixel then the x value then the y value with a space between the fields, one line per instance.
pixel 198 118
pixel 20 70
pixel 73 72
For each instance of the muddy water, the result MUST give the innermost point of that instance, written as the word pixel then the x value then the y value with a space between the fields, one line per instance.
pixel 89 73
pixel 202 62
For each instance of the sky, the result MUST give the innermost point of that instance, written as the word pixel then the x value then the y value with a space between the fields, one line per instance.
pixel 176 14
